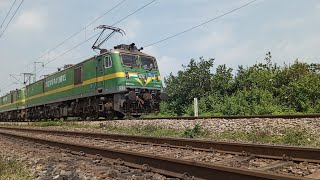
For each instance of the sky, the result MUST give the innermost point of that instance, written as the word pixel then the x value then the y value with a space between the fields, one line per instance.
pixel 289 29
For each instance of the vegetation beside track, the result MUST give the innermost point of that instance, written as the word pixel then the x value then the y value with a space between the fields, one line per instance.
pixel 260 89
pixel 13 169
pixel 287 136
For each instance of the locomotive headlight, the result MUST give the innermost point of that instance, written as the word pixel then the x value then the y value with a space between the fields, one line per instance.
pixel 127 75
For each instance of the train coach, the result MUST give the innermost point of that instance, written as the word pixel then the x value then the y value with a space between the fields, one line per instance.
pixel 12 105
pixel 118 82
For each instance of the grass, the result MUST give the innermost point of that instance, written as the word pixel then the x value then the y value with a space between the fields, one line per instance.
pixel 51 123
pixel 287 136
pixel 12 169
pixel 147 130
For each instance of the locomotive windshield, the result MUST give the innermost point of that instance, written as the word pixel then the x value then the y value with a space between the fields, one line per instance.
pixel 129 60
pixel 147 62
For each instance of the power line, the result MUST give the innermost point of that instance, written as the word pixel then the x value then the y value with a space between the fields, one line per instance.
pixel 11 18
pixel 206 22
pixel 76 33
pixel 64 41
pixel 134 12
pixel 8 13
pixel 62 54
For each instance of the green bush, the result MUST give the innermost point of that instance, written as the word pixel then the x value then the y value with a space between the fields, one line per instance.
pixel 294 136
pixel 194 132
pixel 260 89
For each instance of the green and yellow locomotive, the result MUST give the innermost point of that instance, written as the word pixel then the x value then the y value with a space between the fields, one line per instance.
pixel 118 82
pixel 12 105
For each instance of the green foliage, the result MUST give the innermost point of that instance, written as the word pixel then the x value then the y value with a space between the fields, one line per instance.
pixel 247 136
pixel 260 89
pixel 293 136
pixel 48 123
pixel 12 169
pixel 146 130
pixel 194 132
pixel 289 136
pixel 193 81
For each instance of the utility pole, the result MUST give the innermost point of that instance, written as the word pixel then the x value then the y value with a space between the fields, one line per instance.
pixel 27 77
pixel 35 70
pixel 196 111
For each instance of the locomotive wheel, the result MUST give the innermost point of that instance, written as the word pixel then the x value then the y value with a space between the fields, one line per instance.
pixel 95 116
pixel 136 116
pixel 109 115
pixel 119 115
pixel 83 116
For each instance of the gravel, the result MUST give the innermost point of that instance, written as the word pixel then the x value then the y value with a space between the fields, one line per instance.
pixel 45 162
pixel 222 158
pixel 311 125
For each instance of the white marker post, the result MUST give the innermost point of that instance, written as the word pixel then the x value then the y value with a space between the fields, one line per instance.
pixel 195 101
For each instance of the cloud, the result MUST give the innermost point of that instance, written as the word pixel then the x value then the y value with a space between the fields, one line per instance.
pixel 4 4
pixel 305 48
pixel 286 23
pixel 167 64
pixel 243 53
pixel 32 20
pixel 132 29
pixel 212 40
pixel 151 50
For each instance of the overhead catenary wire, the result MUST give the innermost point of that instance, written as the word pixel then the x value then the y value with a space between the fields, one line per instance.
pixel 66 52
pixel 76 33
pixel 14 2
pixel 2 90
pixel 199 25
pixel 73 35
pixel 11 18
pixel 62 54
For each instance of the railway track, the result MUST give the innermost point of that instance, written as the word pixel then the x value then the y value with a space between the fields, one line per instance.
pixel 293 116
pixel 184 158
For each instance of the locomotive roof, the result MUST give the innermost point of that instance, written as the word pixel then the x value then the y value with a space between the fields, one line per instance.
pixel 126 51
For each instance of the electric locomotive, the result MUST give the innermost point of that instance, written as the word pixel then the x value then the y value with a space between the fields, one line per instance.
pixel 117 82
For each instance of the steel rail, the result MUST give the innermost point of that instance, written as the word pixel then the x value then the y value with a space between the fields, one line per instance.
pixel 291 116
pixel 162 165
pixel 302 154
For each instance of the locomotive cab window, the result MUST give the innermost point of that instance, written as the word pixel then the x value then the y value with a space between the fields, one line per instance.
pixel 108 61
pixel 78 75
pixel 100 64
pixel 147 63
pixel 129 60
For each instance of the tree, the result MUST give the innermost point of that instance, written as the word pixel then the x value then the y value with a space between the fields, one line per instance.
pixel 263 88
pixel 195 80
